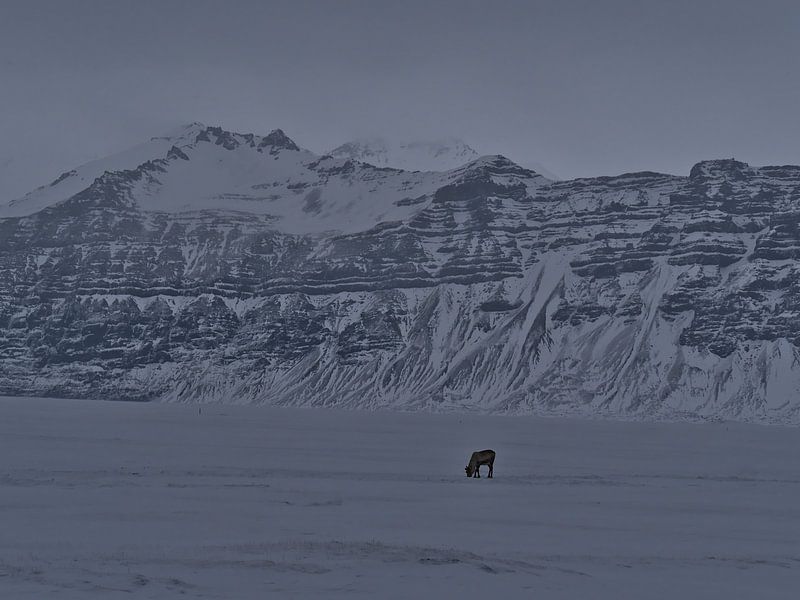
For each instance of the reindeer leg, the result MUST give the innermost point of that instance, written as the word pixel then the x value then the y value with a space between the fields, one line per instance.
pixel 491 470
pixel 478 471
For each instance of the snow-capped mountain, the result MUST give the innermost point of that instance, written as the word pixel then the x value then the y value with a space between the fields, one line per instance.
pixel 439 155
pixel 242 268
pixel 201 168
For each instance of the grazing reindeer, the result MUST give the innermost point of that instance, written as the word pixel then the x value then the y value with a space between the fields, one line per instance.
pixel 484 457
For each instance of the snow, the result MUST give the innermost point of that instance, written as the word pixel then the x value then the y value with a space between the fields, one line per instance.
pixel 120 500
pixel 417 155
pixel 305 193
pixel 420 155
pixel 80 178
pixel 285 186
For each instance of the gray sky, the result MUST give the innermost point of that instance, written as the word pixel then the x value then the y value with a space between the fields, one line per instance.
pixel 583 87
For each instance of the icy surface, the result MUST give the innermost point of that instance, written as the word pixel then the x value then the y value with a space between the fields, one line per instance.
pixel 128 500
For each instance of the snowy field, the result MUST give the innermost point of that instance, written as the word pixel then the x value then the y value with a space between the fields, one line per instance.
pixel 118 500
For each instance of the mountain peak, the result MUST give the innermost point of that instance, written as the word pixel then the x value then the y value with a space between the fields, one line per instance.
pixel 417 155
pixel 726 168
pixel 199 132
pixel 278 139
pixel 491 160
pixel 187 132
pixel 499 165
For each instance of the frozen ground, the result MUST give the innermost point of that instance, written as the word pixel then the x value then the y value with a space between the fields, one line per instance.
pixel 116 500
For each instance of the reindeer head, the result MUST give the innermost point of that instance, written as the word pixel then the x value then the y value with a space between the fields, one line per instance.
pixel 468 469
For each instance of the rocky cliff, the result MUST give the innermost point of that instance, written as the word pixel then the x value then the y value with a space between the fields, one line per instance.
pixel 244 269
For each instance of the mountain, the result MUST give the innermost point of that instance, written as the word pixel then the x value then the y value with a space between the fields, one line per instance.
pixel 542 170
pixel 242 268
pixel 73 181
pixel 440 155
pixel 201 168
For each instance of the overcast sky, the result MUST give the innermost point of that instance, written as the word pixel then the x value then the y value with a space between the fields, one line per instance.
pixel 582 87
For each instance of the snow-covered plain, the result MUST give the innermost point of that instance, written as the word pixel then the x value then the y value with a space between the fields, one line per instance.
pixel 126 500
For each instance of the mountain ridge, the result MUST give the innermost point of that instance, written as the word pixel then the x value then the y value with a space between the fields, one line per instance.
pixel 434 155
pixel 486 287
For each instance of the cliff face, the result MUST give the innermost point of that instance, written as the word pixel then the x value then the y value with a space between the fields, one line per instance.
pixel 244 269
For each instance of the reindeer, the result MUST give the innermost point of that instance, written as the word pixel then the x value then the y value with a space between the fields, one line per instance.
pixel 484 457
